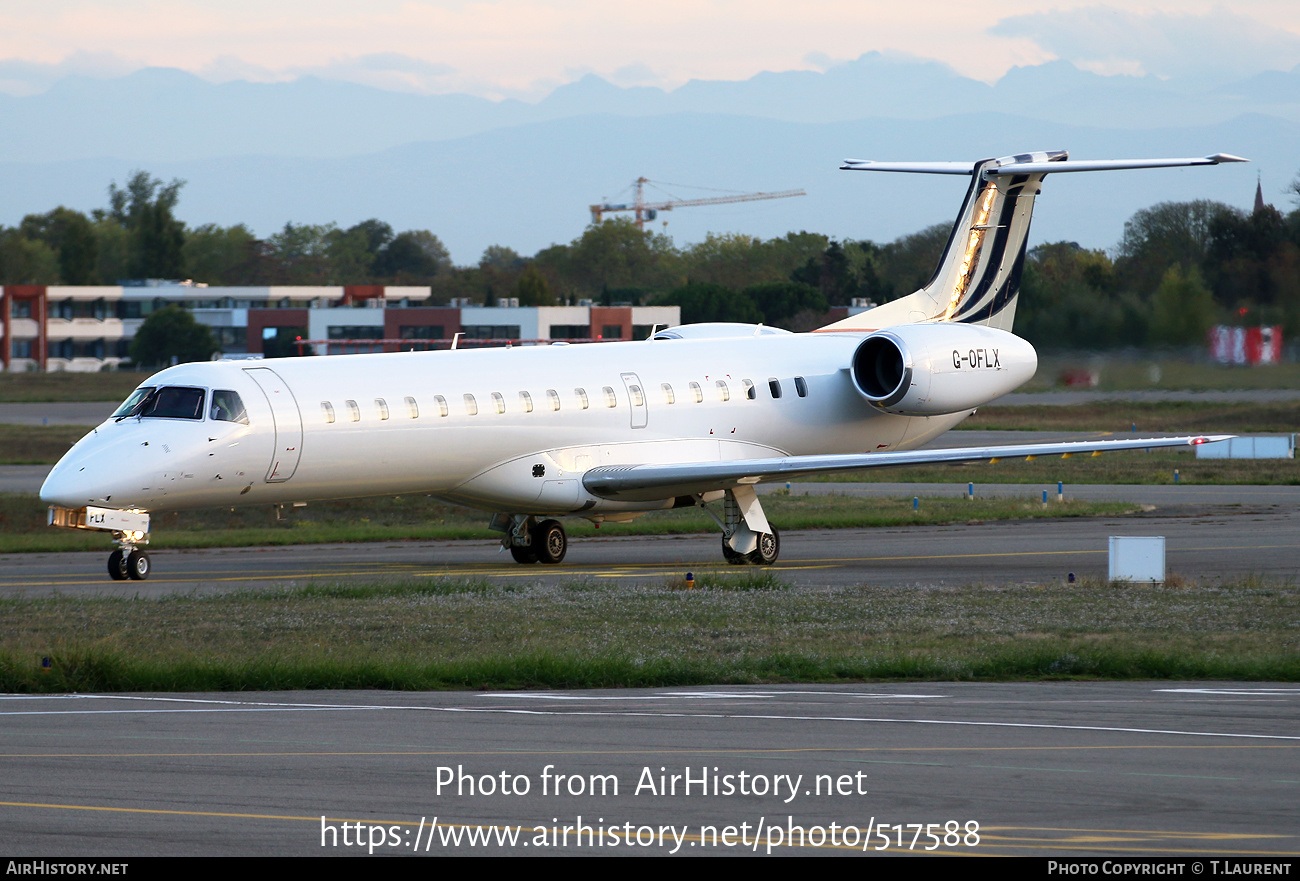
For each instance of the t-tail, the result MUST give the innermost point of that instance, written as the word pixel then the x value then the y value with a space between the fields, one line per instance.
pixel 978 278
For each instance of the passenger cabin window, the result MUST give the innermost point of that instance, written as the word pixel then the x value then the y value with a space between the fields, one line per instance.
pixel 227 406
pixel 669 397
pixel 471 405
pixel 381 407
pixel 697 393
pixel 774 386
pixel 638 399
pixel 750 394
pixel 412 408
pixel 498 402
pixel 554 397
pixel 801 387
pixel 526 401
pixel 610 399
pixel 724 393
pixel 328 410
pixel 442 404
pixel 581 394
pixel 354 412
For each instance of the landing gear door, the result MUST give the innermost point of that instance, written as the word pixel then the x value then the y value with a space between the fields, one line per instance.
pixel 636 396
pixel 288 423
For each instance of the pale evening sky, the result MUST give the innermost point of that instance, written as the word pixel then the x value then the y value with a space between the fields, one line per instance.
pixel 524 48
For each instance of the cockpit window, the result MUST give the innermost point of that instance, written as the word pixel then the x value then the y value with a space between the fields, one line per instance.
pixel 175 402
pixel 131 403
pixel 228 407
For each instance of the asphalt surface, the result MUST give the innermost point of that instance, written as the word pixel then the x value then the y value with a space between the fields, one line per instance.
pixel 1063 770
pixel 1220 541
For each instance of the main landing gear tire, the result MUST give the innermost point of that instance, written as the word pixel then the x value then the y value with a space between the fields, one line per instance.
pixel 138 565
pixel 769 548
pixel 523 555
pixel 550 543
pixel 117 565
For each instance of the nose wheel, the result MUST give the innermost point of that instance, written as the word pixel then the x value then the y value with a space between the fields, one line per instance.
pixel 130 563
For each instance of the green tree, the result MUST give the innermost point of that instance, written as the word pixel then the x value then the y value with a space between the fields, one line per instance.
pixel 781 301
pixel 299 254
pixel 222 255
pixel 72 237
pixel 145 209
pixel 171 334
pixel 532 289
pixel 1182 309
pixel 1158 237
pixel 612 254
pixel 24 261
pixel 414 255
pixel 704 302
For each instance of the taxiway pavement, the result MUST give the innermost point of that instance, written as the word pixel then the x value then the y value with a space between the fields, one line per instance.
pixel 1120 770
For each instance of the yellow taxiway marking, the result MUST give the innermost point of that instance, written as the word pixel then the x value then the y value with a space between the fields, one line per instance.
pixel 1080 839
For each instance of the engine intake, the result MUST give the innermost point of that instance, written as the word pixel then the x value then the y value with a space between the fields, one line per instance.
pixel 932 369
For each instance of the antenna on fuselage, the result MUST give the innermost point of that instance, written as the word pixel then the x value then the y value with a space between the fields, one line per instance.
pixel 455 338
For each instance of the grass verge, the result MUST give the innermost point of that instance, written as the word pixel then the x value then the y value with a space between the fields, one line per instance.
pixel 1193 417
pixel 1134 467
pixel 23 521
pixel 733 628
pixel 66 386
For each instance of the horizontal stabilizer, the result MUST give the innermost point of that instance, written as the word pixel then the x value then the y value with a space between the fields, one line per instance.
pixel 1034 163
pixel 649 482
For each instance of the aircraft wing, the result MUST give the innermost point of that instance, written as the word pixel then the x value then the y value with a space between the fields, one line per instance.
pixel 648 482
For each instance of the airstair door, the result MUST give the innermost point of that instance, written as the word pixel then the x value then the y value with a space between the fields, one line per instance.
pixel 288 423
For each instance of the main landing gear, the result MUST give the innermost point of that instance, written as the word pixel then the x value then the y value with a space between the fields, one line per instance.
pixel 532 542
pixel 747 537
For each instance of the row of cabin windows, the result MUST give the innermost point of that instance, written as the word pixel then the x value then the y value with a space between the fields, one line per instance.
pixel 553 399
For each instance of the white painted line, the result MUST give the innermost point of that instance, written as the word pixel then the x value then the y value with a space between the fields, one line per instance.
pixel 268 706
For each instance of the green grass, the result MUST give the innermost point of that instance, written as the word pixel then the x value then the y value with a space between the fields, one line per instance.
pixel 63 386
pixel 23 518
pixel 735 628
pixel 1192 417
pixel 1117 373
pixel 1133 467
pixel 37 444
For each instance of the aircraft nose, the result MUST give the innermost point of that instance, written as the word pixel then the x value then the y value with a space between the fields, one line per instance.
pixel 96 471
pixel 69 485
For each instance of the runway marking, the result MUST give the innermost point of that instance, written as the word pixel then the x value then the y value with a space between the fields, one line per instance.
pixel 747 752
pixel 272 706
pixel 700 695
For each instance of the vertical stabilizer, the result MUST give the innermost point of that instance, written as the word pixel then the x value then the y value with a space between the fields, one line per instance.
pixel 978 278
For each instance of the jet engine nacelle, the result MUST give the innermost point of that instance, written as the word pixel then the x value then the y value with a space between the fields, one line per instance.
pixel 932 369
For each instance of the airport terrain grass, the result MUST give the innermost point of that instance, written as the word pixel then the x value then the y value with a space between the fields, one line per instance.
pixel 23 521
pixel 735 627
pixel 1119 417
pixel 1131 467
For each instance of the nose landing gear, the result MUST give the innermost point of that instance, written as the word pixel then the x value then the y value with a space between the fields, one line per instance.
pixel 129 562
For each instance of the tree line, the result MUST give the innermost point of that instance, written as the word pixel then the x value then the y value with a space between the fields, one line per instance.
pixel 1179 268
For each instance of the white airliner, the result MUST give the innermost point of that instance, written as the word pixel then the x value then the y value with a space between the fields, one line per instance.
pixel 696 415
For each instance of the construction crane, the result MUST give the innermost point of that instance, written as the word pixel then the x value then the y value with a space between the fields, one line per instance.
pixel 648 210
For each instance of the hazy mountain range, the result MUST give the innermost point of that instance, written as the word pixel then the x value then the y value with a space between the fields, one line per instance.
pixel 479 172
